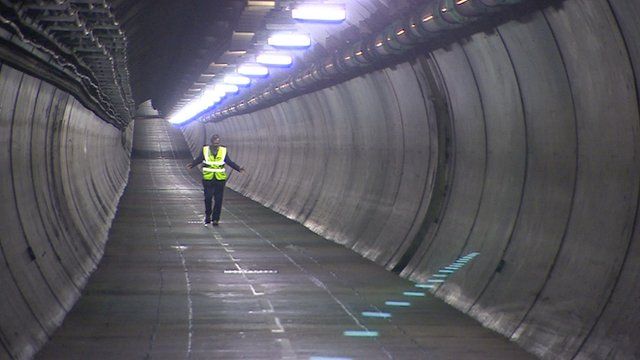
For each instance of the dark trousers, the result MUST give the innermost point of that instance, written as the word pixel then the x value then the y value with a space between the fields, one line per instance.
pixel 213 189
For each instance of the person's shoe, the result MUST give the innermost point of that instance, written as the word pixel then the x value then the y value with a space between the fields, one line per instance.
pixel 206 221
pixel 214 223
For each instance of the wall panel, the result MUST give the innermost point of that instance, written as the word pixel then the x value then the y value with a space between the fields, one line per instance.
pixel 63 171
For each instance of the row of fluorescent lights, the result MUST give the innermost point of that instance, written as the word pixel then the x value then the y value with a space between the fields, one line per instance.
pixel 328 13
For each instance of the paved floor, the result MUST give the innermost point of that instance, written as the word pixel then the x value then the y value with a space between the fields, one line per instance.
pixel 259 286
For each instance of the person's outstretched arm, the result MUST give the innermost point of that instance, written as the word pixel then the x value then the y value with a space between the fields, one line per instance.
pixel 197 161
pixel 233 165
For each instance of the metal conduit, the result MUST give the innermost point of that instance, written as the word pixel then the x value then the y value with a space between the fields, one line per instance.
pixel 83 37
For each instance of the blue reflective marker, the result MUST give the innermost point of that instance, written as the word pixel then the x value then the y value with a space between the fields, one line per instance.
pixel 440 275
pixel 435 280
pixel 360 333
pixel 446 271
pixel 413 293
pixel 425 286
pixel 328 358
pixel 397 303
pixel 376 314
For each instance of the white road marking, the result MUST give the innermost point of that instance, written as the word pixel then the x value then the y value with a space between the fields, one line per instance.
pixel 189 300
pixel 253 290
pixel 280 329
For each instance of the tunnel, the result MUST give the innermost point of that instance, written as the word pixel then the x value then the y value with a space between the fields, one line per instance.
pixel 428 179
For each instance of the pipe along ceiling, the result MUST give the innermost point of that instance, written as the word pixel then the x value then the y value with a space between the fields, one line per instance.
pixel 504 129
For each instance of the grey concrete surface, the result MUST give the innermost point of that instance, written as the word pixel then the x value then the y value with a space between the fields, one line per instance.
pixel 599 231
pixel 161 291
pixel 620 318
pixel 63 170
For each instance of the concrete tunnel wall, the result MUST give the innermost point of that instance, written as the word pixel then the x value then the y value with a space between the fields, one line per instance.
pixel 63 170
pixel 520 144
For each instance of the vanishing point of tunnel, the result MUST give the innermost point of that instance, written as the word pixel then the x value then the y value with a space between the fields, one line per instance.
pixel 391 179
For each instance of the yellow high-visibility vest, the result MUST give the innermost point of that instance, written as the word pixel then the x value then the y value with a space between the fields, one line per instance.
pixel 214 165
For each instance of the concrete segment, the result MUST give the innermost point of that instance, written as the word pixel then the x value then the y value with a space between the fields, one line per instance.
pixel 607 178
pixel 23 280
pixel 468 161
pixel 620 320
pixel 504 173
pixel 53 151
pixel 416 134
pixel 550 175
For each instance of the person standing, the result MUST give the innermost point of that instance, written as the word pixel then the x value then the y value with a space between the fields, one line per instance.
pixel 214 176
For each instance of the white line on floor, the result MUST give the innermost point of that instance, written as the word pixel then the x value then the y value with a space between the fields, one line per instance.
pixel 189 301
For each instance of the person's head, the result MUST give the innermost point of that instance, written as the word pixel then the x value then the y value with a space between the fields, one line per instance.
pixel 215 140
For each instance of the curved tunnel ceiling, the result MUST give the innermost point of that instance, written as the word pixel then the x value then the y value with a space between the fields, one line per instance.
pixel 172 42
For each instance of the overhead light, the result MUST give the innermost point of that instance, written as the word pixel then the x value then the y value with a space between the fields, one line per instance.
pixel 270 4
pixel 253 70
pixel 237 80
pixel 227 88
pixel 189 111
pixel 319 12
pixel 274 59
pixel 177 118
pixel 289 40
pixel 213 93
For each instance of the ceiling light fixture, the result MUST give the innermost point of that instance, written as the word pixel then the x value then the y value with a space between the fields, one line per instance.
pixel 227 88
pixel 189 111
pixel 319 12
pixel 270 4
pixel 253 70
pixel 289 40
pixel 237 80
pixel 274 59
